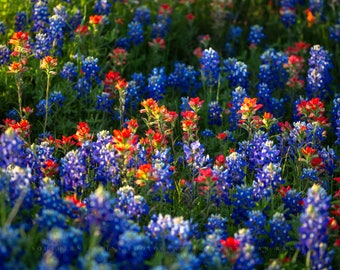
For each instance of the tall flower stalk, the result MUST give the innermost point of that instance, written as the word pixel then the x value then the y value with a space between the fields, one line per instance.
pixel 48 64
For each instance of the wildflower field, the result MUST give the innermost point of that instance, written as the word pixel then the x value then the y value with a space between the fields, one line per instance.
pixel 188 134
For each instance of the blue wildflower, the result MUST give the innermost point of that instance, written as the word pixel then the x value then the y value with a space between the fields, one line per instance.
pixel 4 55
pixel 40 16
pixel 136 32
pixel 279 231
pixel 313 229
pixel 256 35
pixel 157 82
pixel 210 62
pixel 319 74
pixel 214 113
pixel 69 71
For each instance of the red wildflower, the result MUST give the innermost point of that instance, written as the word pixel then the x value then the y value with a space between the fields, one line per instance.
pixel 75 201
pixel 119 56
pixel 196 103
pixel 190 17
pixel 96 19
pixel 230 243
pixel 157 43
pixel 82 29
pixel 83 133
pixel 111 78
pixel 198 52
pixel 165 9
pixel 49 168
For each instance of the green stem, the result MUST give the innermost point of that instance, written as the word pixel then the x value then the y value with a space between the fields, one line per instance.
pixel 46 104
pixel 18 83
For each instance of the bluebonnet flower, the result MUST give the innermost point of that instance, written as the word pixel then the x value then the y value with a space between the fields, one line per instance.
pixel 4 55
pixel 105 160
pixel 310 173
pixel 157 83
pixel 61 11
pixel 103 217
pixel 40 16
pixel 56 31
pixel 256 224
pixel 231 176
pixel 313 228
pixel 210 62
pixel 91 69
pixel 170 234
pixel 83 87
pixel 12 150
pixel 234 34
pixel 248 257
pixel 105 103
pixel 41 46
pixel 216 224
pixel 335 117
pixel 279 231
pixel 265 98
pixel 287 12
pixel 186 260
pixel 69 71
pixel 161 163
pixel 237 73
pixel 49 197
pixel 207 133
pixel 50 218
pixel 184 78
pixel 75 20
pixel 242 201
pixel 41 108
pixel 292 203
pixel 260 151
pixel 136 32
pixel 161 27
pixel 62 246
pixel 44 151
pixel 256 35
pixel 95 258
pixel 237 97
pixel 267 180
pixel 135 90
pixel 211 256
pixel 329 160
pixel 142 15
pixel 15 184
pixel 319 74
pixel 214 113
pixel 73 170
pixel 10 242
pixel 133 249
pixel 134 206
pixel 102 7
pixel 194 156
pixel 57 99
pixel 334 33
pixel 316 6
pixel 123 42
pixel 272 71
pixel 13 114
pixel 21 21
pixel 3 28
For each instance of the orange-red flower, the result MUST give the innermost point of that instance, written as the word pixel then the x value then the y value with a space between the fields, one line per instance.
pixel 230 243
pixel 49 168
pixel 96 19
pixel 16 67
